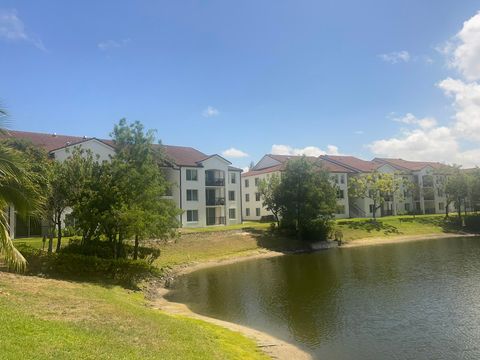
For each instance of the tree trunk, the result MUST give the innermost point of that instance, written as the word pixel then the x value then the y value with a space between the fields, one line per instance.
pixel 374 210
pixel 135 250
pixel 59 233
pixel 50 243
pixel 459 210
pixel 446 209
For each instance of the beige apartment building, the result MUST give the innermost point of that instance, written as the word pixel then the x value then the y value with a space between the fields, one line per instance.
pixel 206 187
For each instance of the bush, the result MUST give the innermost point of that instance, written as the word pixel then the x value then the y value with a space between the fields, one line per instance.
pixel 317 230
pixel 105 250
pixel 472 223
pixel 124 272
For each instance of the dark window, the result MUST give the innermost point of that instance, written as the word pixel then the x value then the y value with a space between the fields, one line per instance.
pixel 192 215
pixel 340 194
pixel 192 175
pixel 233 178
pixel 247 212
pixel 192 195
pixel 247 197
pixel 232 214
pixel 257 211
pixel 247 183
pixel 371 208
pixel 257 196
pixel 231 195
pixel 257 181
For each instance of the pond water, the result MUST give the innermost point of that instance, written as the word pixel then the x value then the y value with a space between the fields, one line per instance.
pixel 415 300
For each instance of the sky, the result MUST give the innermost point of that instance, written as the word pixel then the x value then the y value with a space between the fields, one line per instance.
pixel 397 78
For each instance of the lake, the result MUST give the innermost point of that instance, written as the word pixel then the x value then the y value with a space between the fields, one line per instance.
pixel 414 300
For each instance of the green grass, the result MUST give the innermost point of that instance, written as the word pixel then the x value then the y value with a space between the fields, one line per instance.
pixel 51 319
pixel 37 242
pixel 246 225
pixel 354 229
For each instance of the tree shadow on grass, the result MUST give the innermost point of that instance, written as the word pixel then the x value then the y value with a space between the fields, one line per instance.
pixel 370 226
pixel 275 240
pixel 448 225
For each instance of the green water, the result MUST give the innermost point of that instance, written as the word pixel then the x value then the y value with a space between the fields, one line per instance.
pixel 416 300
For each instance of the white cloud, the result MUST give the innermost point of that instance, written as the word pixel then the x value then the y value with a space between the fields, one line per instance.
pixel 234 153
pixel 210 111
pixel 410 119
pixel 308 151
pixel 112 44
pixel 466 102
pixel 12 28
pixel 359 132
pixel 396 57
pixel 464 49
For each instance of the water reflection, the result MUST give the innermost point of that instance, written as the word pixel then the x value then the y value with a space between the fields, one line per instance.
pixel 417 300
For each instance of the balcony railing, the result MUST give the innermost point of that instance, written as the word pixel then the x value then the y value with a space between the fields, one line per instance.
pixel 216 220
pixel 215 201
pixel 215 182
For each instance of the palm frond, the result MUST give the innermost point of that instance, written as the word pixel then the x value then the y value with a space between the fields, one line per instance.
pixel 12 257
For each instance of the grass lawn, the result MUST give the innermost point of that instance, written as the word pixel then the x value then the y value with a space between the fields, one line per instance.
pixel 246 225
pixel 353 229
pixel 37 242
pixel 51 319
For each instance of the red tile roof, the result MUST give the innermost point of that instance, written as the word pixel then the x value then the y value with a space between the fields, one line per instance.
pixel 183 155
pixel 409 165
pixel 352 162
pixel 179 155
pixel 327 165
pixel 50 142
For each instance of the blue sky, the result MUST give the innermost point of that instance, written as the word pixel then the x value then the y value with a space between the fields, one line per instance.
pixel 369 78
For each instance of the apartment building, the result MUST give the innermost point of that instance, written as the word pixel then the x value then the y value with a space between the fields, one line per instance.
pixel 206 187
pixel 271 165
pixel 427 197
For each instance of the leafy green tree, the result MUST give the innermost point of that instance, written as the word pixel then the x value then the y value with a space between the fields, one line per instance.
pixel 308 200
pixel 144 212
pixel 456 189
pixel 270 192
pixel 376 186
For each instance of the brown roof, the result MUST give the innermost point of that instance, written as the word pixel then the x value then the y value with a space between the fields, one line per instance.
pixel 352 162
pixel 50 142
pixel 285 158
pixel 180 155
pixel 409 165
pixel 329 166
pixel 183 155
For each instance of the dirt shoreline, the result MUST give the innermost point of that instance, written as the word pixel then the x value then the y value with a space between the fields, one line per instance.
pixel 272 346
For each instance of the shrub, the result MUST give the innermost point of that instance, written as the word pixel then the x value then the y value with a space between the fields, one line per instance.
pixel 124 272
pixel 316 230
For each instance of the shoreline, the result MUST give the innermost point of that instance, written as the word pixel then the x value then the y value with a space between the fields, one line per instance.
pixel 268 344
pixel 272 346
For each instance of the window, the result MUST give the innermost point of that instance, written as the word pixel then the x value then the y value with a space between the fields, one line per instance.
pixel 440 192
pixel 340 209
pixel 247 212
pixel 192 195
pixel 257 196
pixel 407 207
pixel 334 179
pixel 441 206
pixel 247 183
pixel 247 197
pixel 192 215
pixel 257 181
pixel 169 191
pixel 231 195
pixel 342 179
pixel 257 211
pixel 371 208
pixel 340 194
pixel 233 178
pixel 192 175
pixel 232 214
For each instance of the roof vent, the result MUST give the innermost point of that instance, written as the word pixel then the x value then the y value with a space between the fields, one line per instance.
pixel 54 134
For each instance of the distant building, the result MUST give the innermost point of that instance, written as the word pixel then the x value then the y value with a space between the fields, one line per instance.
pixel 206 187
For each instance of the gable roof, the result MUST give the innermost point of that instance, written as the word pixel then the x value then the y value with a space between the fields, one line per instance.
pixel 51 142
pixel 409 165
pixel 352 163
pixel 183 155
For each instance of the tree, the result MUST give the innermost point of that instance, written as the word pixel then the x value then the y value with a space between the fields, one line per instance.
pixel 19 188
pixel 376 186
pixel 307 200
pixel 144 211
pixel 270 192
pixel 456 189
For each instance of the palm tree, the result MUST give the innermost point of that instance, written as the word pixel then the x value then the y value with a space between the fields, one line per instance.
pixel 17 189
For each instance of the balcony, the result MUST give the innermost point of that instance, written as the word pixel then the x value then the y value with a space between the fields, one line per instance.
pixel 215 220
pixel 215 201
pixel 214 182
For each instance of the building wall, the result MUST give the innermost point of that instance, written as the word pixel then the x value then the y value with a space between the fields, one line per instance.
pixel 181 185
pixel 103 151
